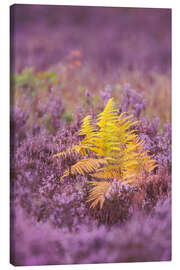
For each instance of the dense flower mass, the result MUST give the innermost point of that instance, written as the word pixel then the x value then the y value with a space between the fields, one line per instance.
pixel 52 221
pixel 142 239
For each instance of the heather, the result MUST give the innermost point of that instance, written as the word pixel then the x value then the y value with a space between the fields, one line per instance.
pixel 53 88
pixel 142 239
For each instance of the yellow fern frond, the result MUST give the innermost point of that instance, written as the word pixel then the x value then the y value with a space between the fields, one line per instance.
pixel 73 151
pixel 87 128
pixel 124 133
pixel 109 172
pixel 98 193
pixel 112 174
pixel 109 115
pixel 149 164
pixel 89 131
pixel 107 142
pixel 85 166
pixel 66 173
pixel 129 120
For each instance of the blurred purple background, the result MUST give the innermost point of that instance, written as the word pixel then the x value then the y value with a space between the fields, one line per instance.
pixel 107 37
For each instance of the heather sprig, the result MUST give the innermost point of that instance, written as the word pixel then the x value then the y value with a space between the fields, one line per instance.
pixel 131 100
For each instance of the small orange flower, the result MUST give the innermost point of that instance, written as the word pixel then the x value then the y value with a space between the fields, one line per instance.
pixel 76 53
pixel 77 63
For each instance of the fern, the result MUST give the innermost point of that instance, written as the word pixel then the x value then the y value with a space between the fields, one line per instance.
pixel 85 166
pixel 73 151
pixel 98 193
pixel 117 148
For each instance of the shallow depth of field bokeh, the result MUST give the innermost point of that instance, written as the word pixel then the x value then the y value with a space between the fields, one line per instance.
pixel 66 62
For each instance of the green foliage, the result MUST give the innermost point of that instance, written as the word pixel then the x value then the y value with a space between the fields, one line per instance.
pixel 33 81
pixel 48 121
pixel 67 117
pixel 116 149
